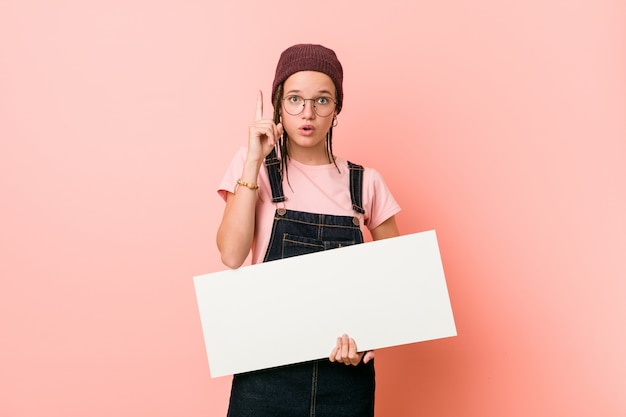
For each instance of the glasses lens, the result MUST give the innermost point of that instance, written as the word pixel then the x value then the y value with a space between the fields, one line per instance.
pixel 324 106
pixel 293 105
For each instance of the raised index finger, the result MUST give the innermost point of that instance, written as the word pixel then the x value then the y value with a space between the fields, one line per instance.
pixel 259 106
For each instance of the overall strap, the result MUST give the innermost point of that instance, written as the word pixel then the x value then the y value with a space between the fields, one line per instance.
pixel 356 187
pixel 272 163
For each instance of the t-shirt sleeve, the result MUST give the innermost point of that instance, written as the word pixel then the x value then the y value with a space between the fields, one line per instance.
pixel 382 203
pixel 233 172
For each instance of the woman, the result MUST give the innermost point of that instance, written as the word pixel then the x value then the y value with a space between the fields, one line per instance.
pixel 287 194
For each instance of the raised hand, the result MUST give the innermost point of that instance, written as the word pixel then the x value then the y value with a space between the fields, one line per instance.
pixel 264 133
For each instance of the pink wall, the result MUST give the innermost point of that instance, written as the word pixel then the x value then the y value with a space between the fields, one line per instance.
pixel 500 124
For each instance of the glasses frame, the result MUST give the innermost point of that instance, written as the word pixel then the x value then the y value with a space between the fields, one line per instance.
pixel 313 104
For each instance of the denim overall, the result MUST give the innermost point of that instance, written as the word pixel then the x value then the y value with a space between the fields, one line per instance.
pixel 317 388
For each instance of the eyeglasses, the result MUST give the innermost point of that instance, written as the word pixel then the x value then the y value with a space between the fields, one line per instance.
pixel 323 106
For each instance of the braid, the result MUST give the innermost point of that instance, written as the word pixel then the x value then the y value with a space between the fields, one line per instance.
pixel 282 142
pixel 329 148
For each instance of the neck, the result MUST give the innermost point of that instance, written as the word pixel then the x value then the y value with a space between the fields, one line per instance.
pixel 309 156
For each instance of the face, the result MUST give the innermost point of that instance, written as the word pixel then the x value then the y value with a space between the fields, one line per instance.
pixel 307 131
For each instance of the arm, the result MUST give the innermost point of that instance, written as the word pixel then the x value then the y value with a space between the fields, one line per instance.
pixel 386 229
pixel 236 232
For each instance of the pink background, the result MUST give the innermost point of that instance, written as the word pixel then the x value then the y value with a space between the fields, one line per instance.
pixel 501 124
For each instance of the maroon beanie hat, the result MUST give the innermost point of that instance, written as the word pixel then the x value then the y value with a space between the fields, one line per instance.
pixel 308 57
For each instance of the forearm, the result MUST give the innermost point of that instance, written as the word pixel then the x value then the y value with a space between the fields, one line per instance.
pixel 236 232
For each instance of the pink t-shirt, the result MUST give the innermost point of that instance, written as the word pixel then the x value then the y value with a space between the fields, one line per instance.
pixel 314 189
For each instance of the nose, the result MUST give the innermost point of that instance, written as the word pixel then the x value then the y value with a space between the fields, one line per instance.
pixel 308 112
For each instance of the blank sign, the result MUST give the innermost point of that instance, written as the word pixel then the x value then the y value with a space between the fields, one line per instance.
pixel 384 293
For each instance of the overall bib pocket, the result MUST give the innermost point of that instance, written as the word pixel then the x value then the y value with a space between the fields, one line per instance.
pixel 293 245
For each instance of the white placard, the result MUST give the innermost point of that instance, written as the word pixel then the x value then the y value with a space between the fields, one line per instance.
pixel 384 293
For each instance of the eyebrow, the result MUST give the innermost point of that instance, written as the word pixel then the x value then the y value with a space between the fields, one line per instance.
pixel 299 91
